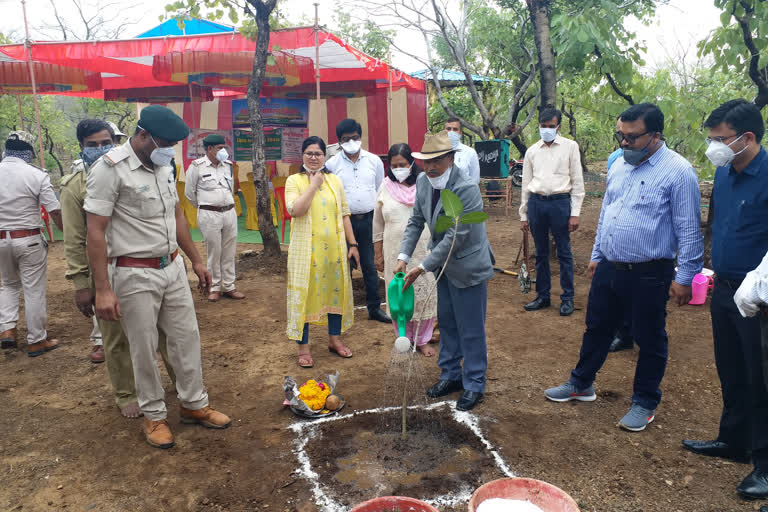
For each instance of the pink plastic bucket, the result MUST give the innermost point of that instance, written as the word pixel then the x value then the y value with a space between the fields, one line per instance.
pixel 699 286
pixel 545 496
pixel 394 504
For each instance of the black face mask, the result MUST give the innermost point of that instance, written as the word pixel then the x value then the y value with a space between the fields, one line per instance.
pixel 635 156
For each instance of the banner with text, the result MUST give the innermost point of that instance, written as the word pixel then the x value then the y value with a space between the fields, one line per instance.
pixel 274 112
pixel 272 144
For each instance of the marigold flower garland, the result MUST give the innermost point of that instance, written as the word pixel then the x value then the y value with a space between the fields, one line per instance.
pixel 314 393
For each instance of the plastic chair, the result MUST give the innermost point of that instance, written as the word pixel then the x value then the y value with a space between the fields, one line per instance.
pixel 284 215
pixel 190 212
pixel 47 222
pixel 251 198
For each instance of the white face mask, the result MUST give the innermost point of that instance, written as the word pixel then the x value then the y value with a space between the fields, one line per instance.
pixel 310 171
pixel 548 134
pixel 352 147
pixel 721 154
pixel 402 173
pixel 161 156
pixel 222 155
pixel 455 138
pixel 441 181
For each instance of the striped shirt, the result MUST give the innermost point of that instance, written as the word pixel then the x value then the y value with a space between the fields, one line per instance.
pixel 652 211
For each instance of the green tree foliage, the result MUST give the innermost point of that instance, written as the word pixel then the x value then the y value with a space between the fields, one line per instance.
pixel 365 36
pixel 740 44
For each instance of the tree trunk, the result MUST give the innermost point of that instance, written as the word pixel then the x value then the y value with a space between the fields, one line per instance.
pixel 572 131
pixel 261 181
pixel 519 145
pixel 539 10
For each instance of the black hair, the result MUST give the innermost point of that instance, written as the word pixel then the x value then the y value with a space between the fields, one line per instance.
pixel 741 115
pixel 88 127
pixel 548 113
pixel 651 115
pixel 348 126
pixel 403 150
pixel 453 119
pixel 18 145
pixel 309 141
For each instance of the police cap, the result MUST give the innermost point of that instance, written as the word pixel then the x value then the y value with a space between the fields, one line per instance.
pixel 162 123
pixel 213 139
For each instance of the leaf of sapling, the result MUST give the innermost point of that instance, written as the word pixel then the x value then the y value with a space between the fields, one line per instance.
pixel 473 218
pixel 443 224
pixel 451 203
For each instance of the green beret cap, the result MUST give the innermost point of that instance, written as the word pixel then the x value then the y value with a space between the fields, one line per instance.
pixel 162 123
pixel 214 139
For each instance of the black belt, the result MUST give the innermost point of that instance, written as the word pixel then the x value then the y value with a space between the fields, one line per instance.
pixel 733 284
pixel 361 216
pixel 552 197
pixel 643 266
pixel 219 209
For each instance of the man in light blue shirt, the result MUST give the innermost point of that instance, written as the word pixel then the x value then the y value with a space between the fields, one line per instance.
pixel 361 173
pixel 650 216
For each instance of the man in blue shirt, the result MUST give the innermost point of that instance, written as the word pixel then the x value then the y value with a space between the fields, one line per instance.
pixel 739 242
pixel 650 215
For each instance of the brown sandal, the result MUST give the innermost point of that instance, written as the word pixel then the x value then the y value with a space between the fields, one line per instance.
pixel 306 361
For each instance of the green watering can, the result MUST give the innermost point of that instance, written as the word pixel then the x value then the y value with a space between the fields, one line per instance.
pixel 400 302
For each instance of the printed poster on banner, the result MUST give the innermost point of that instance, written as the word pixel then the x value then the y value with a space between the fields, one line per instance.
pixel 244 144
pixel 274 112
pixel 195 147
pixel 292 139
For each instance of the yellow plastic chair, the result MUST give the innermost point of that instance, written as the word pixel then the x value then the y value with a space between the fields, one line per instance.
pixel 238 206
pixel 251 198
pixel 190 212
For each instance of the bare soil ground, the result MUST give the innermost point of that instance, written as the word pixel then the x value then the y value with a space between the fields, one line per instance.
pixel 64 445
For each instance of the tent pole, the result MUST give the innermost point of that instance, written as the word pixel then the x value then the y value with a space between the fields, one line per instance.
pixel 21 114
pixel 28 44
pixel 317 65
pixel 389 100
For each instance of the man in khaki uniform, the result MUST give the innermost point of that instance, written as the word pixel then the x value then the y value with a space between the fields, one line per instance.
pixel 209 187
pixel 96 139
pixel 23 250
pixel 135 229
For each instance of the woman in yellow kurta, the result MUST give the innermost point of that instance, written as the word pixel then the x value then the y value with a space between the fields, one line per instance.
pixel 319 284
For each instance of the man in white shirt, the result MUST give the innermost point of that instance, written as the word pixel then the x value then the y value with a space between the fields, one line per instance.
pixel 465 156
pixel 23 250
pixel 361 173
pixel 551 197
pixel 209 187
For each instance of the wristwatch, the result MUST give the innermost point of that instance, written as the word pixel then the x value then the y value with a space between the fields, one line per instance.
pixel 352 245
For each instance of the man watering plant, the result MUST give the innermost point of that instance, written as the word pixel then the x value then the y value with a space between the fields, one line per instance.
pixel 464 255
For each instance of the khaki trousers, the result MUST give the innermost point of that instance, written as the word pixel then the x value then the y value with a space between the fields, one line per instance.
pixel 117 354
pixel 152 299
pixel 23 266
pixel 219 230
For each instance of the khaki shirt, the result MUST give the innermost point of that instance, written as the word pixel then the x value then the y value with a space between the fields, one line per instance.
pixel 75 230
pixel 23 189
pixel 209 184
pixel 553 169
pixel 140 201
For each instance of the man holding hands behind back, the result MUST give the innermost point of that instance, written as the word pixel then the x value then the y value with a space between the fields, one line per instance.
pixel 462 292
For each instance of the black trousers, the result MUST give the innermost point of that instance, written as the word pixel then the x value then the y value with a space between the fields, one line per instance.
pixel 739 358
pixel 362 226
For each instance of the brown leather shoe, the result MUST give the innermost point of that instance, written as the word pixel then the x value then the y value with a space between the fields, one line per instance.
pixel 234 294
pixel 41 347
pixel 97 354
pixel 206 417
pixel 8 338
pixel 157 433
pixel 214 296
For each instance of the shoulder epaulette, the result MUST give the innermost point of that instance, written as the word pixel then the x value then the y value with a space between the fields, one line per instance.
pixel 114 156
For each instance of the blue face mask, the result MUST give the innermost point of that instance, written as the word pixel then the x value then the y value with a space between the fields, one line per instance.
pixel 91 154
pixel 635 156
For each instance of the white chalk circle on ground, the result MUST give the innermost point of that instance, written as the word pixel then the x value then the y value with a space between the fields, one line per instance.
pixel 507 505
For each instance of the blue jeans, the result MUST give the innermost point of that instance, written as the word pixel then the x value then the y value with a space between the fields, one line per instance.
pixel 544 216
pixel 362 226
pixel 461 315
pixel 647 292
pixel 334 328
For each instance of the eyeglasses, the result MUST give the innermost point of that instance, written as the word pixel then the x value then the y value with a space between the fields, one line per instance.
pixel 314 155
pixel 631 139
pixel 349 138
pixel 710 140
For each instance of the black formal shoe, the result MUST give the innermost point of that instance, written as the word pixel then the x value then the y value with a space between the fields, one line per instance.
pixel 764 508
pixel 566 308
pixel 468 400
pixel 755 485
pixel 620 343
pixel 444 387
pixel 379 315
pixel 539 303
pixel 716 449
